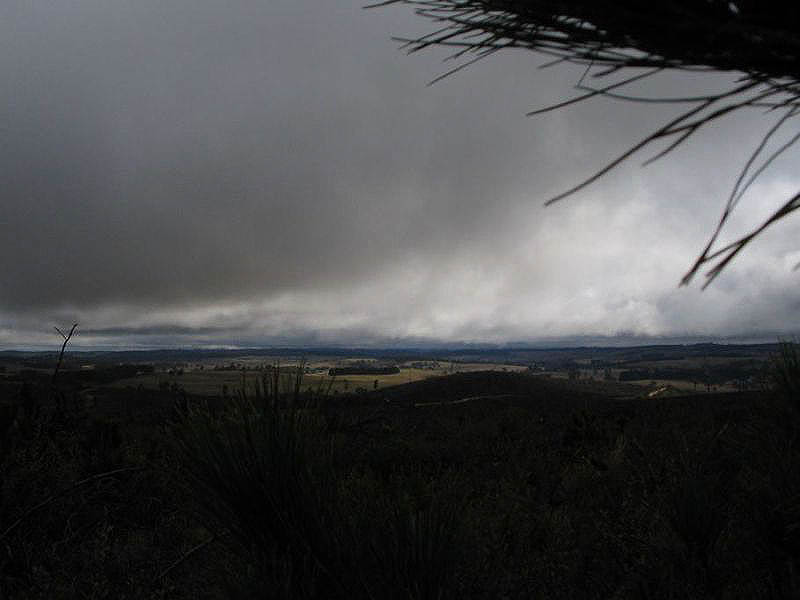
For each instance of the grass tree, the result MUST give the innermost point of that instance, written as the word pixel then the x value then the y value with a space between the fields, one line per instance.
pixel 624 42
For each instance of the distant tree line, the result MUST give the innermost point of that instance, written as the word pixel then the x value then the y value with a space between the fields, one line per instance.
pixel 712 374
pixel 88 376
pixel 363 370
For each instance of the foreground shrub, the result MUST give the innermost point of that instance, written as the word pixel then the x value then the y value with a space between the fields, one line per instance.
pixel 310 527
pixel 257 476
pixel 786 371
pixel 79 504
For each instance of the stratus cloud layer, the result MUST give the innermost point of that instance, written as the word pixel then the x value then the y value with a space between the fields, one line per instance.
pixel 277 172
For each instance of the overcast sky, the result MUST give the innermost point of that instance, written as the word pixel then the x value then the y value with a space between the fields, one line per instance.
pixel 195 172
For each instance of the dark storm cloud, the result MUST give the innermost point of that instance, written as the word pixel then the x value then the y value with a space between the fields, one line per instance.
pixel 156 330
pixel 259 170
pixel 168 153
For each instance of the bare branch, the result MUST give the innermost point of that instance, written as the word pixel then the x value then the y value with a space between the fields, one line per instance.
pixel 186 556
pixel 63 492
pixel 63 347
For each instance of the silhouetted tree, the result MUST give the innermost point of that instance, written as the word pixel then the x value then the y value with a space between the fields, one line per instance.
pixel 624 41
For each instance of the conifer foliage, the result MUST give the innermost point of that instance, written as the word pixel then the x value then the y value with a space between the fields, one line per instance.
pixel 623 42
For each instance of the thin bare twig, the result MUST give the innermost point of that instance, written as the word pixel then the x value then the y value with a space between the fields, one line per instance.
pixel 62 493
pixel 185 556
pixel 66 337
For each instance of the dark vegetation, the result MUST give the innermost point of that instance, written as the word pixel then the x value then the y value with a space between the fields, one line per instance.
pixel 475 485
pixel 715 373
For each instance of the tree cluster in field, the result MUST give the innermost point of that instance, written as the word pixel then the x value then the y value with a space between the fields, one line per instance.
pixel 363 370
